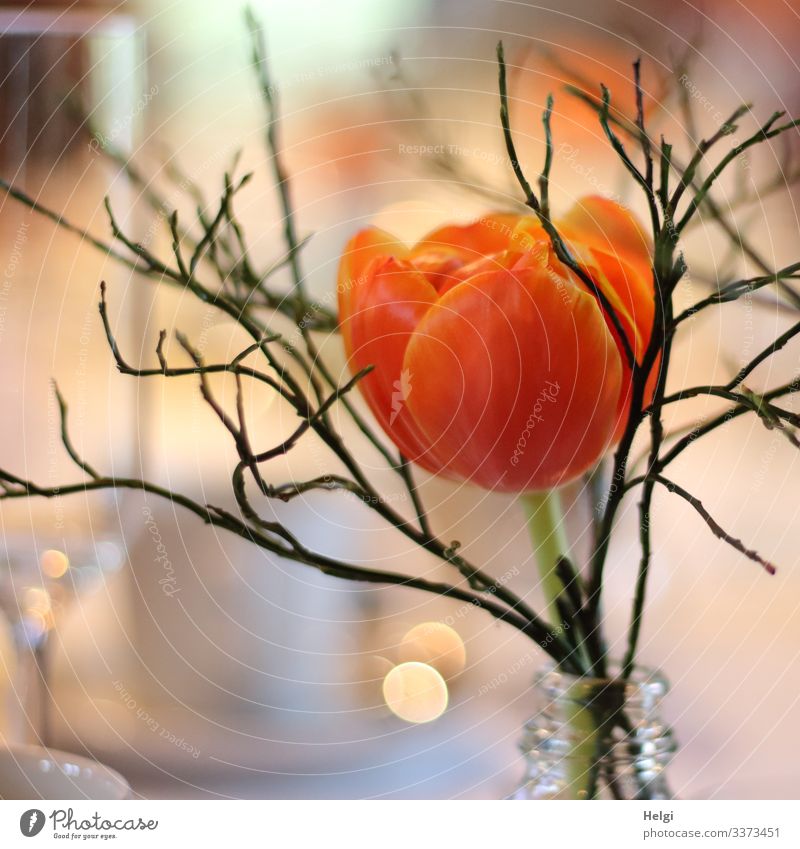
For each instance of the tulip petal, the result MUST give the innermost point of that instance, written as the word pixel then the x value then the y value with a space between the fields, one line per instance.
pixel 608 241
pixel 359 252
pixel 631 297
pixel 385 307
pixel 529 234
pixel 488 235
pixel 604 224
pixel 516 380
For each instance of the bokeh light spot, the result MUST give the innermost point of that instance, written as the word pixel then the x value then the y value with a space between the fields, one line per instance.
pixel 436 644
pixel 54 563
pixel 415 692
pixel 37 598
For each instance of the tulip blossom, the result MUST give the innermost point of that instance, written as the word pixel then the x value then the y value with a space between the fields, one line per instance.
pixel 493 362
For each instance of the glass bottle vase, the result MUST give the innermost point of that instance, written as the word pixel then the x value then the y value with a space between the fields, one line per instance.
pixel 597 738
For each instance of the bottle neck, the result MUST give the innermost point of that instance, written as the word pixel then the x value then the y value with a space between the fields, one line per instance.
pixel 595 738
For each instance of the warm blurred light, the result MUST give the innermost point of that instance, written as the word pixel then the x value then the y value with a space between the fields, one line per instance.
pixel 436 644
pixel 36 624
pixel 37 612
pixel 415 692
pixel 54 563
pixel 37 599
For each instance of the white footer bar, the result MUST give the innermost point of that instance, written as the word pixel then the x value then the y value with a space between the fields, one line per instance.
pixel 401 824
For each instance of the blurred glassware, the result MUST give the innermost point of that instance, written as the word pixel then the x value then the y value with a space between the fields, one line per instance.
pixel 70 84
pixel 38 586
pixel 600 738
pixel 30 772
pixel 8 675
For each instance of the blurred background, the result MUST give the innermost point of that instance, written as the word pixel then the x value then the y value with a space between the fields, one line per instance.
pixel 201 667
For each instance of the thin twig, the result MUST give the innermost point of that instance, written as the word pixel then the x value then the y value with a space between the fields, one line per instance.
pixel 532 201
pixel 715 527
pixel 65 437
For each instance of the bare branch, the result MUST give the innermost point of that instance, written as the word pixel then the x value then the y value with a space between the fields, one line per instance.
pixel 65 437
pixel 532 201
pixel 716 529
pixel 734 291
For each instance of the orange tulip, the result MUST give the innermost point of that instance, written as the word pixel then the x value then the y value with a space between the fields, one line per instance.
pixel 493 363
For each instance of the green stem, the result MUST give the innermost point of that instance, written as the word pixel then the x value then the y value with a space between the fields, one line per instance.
pixel 582 762
pixel 545 520
pixel 548 535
